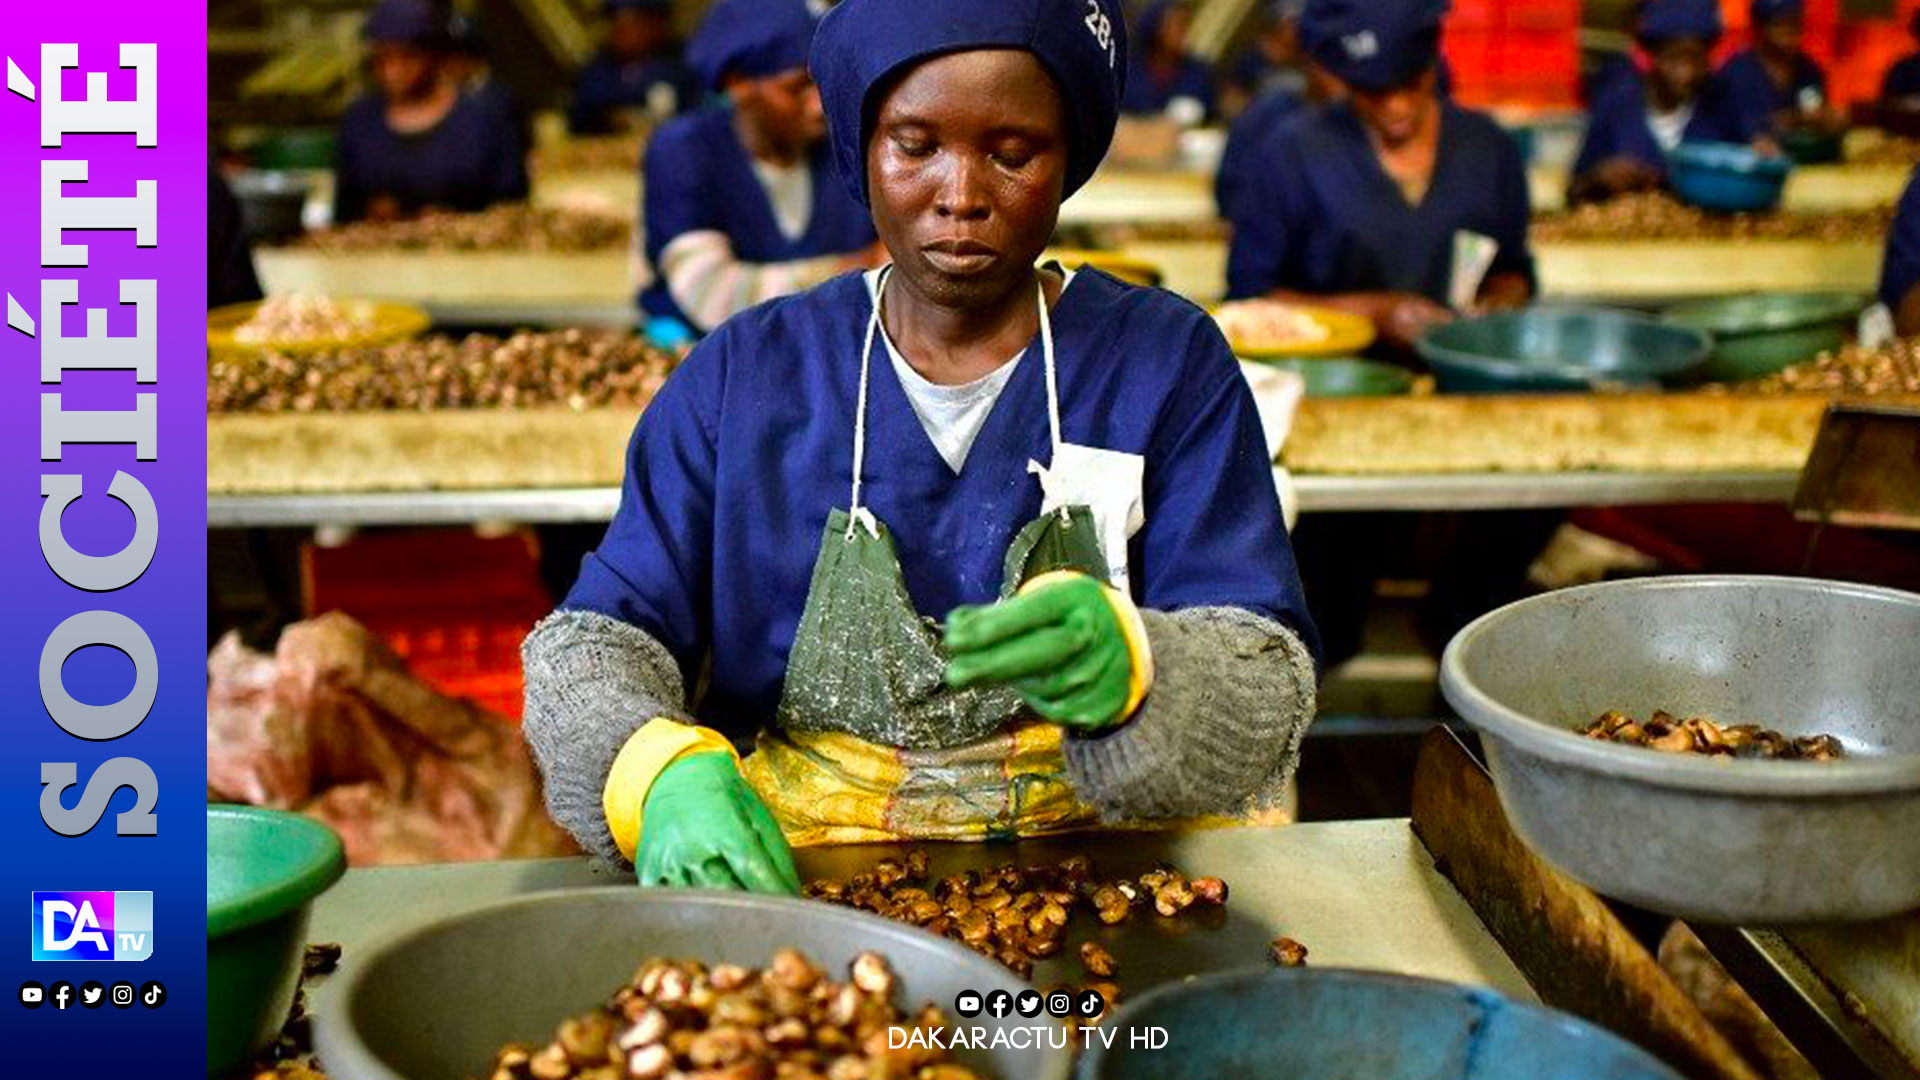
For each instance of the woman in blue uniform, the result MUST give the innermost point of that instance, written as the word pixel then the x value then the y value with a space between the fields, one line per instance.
pixel 1774 86
pixel 416 142
pixel 1272 64
pixel 1069 471
pixel 739 202
pixel 639 70
pixel 1163 78
pixel 1362 205
pixel 1636 119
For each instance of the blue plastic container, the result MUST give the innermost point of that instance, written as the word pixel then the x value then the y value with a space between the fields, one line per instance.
pixel 1727 177
pixel 1322 1024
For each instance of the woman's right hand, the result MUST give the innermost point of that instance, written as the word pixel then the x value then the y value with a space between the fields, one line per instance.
pixel 1404 317
pixel 703 826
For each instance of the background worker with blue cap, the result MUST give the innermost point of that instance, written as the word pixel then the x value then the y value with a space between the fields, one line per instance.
pixel 1066 469
pixel 1636 119
pixel 639 70
pixel 1773 86
pixel 415 142
pixel 739 203
pixel 1367 205
pixel 1271 64
pixel 1163 78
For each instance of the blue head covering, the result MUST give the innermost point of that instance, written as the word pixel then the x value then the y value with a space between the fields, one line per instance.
pixel 863 42
pixel 1765 11
pixel 1373 44
pixel 406 22
pixel 752 38
pixel 1664 20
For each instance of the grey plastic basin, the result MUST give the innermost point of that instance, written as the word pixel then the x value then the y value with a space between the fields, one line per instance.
pixel 1750 842
pixel 436 1003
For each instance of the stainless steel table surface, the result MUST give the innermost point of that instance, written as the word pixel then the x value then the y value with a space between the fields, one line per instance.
pixel 1318 494
pixel 1359 894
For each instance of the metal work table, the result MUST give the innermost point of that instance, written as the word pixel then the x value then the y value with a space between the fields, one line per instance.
pixel 1358 894
pixel 1318 494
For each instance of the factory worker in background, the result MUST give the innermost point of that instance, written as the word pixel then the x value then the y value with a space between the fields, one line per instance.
pixel 1250 134
pixel 416 142
pixel 1271 64
pixel 968 547
pixel 1367 205
pixel 739 201
pixel 1637 118
pixel 1163 78
pixel 638 71
pixel 1773 86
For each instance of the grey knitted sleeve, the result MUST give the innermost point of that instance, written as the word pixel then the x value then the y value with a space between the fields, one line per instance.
pixel 591 682
pixel 1220 732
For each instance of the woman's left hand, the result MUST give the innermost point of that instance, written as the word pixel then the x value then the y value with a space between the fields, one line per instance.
pixel 1061 645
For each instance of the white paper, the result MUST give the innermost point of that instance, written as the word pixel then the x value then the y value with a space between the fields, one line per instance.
pixel 1473 255
pixel 1109 484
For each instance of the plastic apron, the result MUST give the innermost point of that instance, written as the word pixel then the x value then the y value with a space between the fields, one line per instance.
pixel 870 743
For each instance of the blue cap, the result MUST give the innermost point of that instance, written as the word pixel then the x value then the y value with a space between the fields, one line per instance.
pixel 1664 20
pixel 1766 11
pixel 406 22
pixel 751 38
pixel 1081 43
pixel 1373 44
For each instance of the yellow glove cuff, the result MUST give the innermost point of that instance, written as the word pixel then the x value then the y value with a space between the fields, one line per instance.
pixel 1132 629
pixel 659 743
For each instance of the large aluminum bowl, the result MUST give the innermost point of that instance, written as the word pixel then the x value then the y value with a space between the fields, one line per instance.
pixel 1555 349
pixel 1326 1024
pixel 1751 842
pixel 436 1003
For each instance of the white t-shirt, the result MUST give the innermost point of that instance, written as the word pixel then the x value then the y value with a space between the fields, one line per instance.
pixel 790 189
pixel 1669 127
pixel 951 415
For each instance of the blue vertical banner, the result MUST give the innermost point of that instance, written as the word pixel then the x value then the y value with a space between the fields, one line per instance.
pixel 103 129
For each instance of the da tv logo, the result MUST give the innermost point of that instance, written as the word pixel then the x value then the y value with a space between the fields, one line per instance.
pixel 92 925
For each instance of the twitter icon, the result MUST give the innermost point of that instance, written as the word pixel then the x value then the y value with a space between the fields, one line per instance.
pixel 92 994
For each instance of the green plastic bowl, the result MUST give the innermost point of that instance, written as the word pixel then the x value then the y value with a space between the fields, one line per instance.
pixel 1560 350
pixel 1346 376
pixel 1759 334
pixel 264 867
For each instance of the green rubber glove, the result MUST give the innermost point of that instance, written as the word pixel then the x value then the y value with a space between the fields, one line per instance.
pixel 702 826
pixel 1061 647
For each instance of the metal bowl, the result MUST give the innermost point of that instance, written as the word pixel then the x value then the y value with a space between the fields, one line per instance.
pixel 1752 842
pixel 1758 334
pixel 1728 177
pixel 1324 1024
pixel 436 1003
pixel 1559 349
